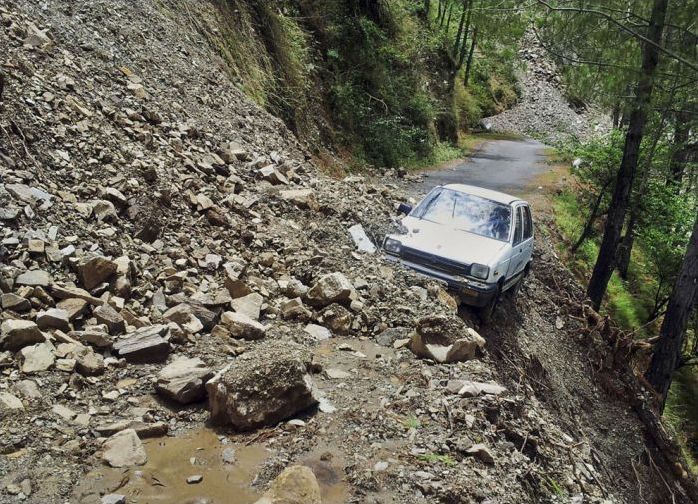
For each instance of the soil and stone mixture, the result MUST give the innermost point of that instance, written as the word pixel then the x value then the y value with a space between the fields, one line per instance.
pixel 186 317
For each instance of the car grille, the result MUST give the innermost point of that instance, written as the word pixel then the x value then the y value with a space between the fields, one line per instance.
pixel 434 262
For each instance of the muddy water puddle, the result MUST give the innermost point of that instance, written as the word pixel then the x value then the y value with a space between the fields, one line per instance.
pixel 227 471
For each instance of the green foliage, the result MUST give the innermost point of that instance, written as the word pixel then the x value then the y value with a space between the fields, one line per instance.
pixel 412 422
pixel 433 458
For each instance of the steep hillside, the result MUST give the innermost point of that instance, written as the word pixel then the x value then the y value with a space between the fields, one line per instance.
pixel 152 213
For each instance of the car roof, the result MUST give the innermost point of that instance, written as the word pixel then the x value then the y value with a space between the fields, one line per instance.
pixel 489 194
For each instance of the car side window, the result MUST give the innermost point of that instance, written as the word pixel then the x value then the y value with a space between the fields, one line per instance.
pixel 527 223
pixel 518 229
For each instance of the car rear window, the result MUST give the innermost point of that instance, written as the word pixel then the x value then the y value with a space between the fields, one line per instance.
pixel 466 212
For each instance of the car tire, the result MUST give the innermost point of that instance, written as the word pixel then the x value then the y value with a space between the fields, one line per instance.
pixel 514 289
pixel 487 311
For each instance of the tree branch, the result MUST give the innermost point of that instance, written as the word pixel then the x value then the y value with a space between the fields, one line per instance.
pixel 623 27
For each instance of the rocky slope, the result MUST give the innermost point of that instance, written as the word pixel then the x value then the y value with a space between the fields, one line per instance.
pixel 543 111
pixel 170 260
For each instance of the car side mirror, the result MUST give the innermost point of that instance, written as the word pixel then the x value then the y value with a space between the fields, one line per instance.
pixel 404 208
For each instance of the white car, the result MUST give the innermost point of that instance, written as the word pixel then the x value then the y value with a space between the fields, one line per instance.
pixel 477 240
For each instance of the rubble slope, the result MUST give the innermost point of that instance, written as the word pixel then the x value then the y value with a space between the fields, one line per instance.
pixel 158 227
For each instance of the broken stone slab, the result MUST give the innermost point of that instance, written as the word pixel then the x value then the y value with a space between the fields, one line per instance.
pixel 143 429
pixel 302 198
pixel 9 404
pixel 113 499
pixel 87 362
pixel 34 278
pixel 74 307
pixel 183 380
pixel 16 334
pixel 263 387
pixel 295 309
pixel 36 358
pixel 15 303
pixel 53 318
pixel 124 449
pixel 250 305
pixel 318 332
pixel 295 485
pixel 59 292
pixel 471 388
pixel 361 239
pixel 94 336
pixel 145 345
pixel 108 316
pixel 445 339
pixel 236 288
pixel 181 314
pixel 28 389
pixel 272 175
pixel 95 270
pixel 242 326
pixel 332 288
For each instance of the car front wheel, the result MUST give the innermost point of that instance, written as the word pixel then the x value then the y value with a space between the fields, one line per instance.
pixel 487 311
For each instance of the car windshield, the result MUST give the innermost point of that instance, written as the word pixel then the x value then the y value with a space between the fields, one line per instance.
pixel 466 212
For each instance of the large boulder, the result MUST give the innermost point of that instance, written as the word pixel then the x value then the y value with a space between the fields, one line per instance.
pixel 262 387
pixel 16 334
pixel 95 270
pixel 183 380
pixel 144 345
pixel 332 288
pixel 295 485
pixel 242 326
pixel 445 339
pixel 124 449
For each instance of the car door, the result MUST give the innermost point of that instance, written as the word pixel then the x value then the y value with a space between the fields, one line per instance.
pixel 517 240
pixel 527 241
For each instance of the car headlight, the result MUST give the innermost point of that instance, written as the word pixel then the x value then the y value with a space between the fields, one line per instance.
pixel 392 245
pixel 480 271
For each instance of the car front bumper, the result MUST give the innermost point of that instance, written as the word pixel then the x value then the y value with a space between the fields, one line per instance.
pixel 469 293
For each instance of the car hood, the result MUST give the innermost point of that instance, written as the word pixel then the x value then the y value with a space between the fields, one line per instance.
pixel 445 241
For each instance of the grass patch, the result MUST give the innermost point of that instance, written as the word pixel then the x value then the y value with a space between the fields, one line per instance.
pixel 411 422
pixel 628 306
pixel 681 413
pixel 433 458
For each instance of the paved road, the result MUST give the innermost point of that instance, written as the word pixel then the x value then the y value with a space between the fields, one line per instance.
pixel 509 166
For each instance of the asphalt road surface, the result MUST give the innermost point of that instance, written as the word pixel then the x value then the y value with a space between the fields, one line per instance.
pixel 510 166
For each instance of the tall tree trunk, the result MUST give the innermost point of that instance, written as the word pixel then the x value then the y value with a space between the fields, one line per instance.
pixel 456 45
pixel 625 248
pixel 679 156
pixel 461 57
pixel 469 63
pixel 589 225
pixel 605 262
pixel 448 20
pixel 667 350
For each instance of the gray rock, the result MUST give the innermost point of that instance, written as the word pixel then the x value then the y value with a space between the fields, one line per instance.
pixel 39 357
pixel 74 307
pixel 113 499
pixel 295 485
pixel 144 345
pixel 318 332
pixel 9 404
pixel 266 385
pixel 34 278
pixel 15 303
pixel 95 270
pixel 53 318
pixel 183 380
pixel 143 429
pixel 445 339
pixel 28 389
pixel 15 334
pixel 481 452
pixel 302 198
pixel 108 316
pixel 332 288
pixel 242 326
pixel 249 305
pixel 124 449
